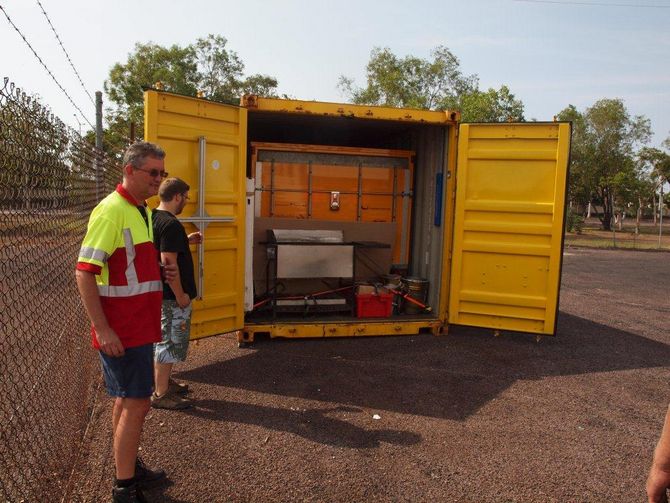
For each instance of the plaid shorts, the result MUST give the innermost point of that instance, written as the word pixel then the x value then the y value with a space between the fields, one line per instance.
pixel 176 329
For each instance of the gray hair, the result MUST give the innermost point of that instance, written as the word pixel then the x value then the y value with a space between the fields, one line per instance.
pixel 139 151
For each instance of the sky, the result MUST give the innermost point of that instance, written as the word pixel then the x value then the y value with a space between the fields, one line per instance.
pixel 550 53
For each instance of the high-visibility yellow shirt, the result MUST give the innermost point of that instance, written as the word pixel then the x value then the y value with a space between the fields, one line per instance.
pixel 118 248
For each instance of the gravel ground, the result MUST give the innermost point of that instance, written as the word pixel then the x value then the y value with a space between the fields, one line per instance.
pixel 465 417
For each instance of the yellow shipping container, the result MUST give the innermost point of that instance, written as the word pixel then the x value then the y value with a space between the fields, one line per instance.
pixel 300 201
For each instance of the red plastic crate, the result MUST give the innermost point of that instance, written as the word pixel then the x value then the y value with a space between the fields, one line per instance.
pixel 370 305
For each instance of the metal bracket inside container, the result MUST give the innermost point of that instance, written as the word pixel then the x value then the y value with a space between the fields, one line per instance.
pixel 334 200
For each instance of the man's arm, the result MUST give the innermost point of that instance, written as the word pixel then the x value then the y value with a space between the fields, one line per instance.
pixel 183 299
pixel 109 342
pixel 659 475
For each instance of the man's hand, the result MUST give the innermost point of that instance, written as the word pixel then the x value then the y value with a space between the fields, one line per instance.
pixel 195 238
pixel 109 342
pixel 183 300
pixel 107 339
pixel 169 272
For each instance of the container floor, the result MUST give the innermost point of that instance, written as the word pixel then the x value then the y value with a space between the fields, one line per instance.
pixel 325 317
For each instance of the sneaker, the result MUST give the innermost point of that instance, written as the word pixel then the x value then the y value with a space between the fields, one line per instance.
pixel 131 494
pixel 177 387
pixel 145 476
pixel 169 401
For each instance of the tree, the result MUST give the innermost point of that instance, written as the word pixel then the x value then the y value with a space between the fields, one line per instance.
pixel 581 182
pixel 206 68
pixel 221 73
pixel 634 188
pixel 657 160
pixel 435 84
pixel 175 67
pixel 490 106
pixel 658 165
pixel 605 138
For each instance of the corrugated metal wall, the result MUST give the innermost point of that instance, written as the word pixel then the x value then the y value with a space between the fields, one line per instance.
pixel 430 144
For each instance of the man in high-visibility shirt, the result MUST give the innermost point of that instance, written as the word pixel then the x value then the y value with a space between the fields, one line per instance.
pixel 119 280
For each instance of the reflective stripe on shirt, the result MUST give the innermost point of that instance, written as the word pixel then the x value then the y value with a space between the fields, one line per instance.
pixel 130 290
pixel 87 252
pixel 131 273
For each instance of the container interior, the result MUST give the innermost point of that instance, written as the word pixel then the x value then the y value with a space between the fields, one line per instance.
pixel 290 296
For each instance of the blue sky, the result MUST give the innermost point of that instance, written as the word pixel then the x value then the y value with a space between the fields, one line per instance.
pixel 550 53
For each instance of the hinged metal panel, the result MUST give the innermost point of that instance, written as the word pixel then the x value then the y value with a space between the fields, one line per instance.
pixel 205 143
pixel 508 228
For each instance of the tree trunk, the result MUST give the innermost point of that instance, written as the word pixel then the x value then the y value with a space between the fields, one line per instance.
pixel 653 200
pixel 588 211
pixel 606 219
pixel 638 215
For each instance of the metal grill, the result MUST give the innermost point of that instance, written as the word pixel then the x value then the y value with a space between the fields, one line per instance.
pixel 50 180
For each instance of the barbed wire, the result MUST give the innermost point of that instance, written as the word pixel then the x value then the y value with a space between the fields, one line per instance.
pixel 45 66
pixel 66 54
pixel 50 180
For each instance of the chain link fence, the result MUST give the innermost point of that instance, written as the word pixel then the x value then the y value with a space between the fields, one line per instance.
pixel 50 180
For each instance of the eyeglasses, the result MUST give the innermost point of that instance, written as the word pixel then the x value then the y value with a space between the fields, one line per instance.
pixel 154 172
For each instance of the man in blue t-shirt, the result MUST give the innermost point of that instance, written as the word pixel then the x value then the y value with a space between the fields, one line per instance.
pixel 172 242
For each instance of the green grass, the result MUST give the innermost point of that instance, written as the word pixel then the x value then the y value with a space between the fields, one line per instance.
pixel 593 236
pixel 597 242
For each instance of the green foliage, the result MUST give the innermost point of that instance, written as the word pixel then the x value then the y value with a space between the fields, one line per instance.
pixel 604 142
pixel 490 106
pixel 633 189
pixel 410 81
pixel 434 84
pixel 176 67
pixel 574 222
pixel 657 161
pixel 581 183
pixel 221 73
pixel 206 66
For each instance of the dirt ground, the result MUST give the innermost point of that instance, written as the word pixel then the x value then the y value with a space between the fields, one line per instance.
pixel 466 417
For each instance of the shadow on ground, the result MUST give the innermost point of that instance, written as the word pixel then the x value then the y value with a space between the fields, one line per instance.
pixel 312 424
pixel 447 377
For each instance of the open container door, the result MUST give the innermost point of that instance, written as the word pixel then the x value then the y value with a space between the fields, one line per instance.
pixel 205 145
pixel 508 226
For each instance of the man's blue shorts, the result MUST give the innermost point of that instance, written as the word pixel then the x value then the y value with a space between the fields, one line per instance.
pixel 130 375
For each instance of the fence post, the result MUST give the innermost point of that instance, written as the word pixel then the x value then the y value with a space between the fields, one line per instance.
pixel 660 215
pixel 98 146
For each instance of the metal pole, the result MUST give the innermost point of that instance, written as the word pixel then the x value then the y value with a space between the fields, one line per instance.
pixel 98 120
pixel 202 152
pixel 660 218
pixel 613 223
pixel 98 146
